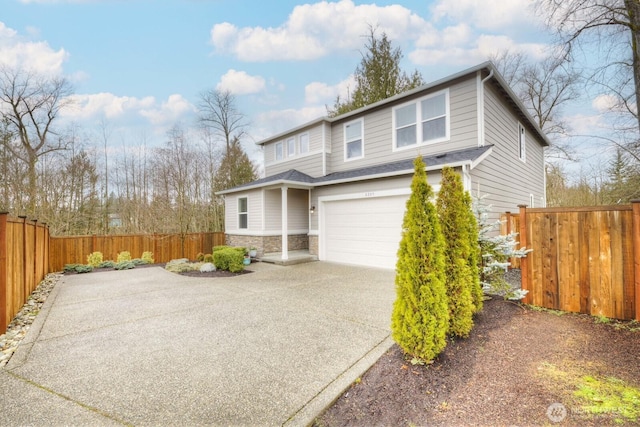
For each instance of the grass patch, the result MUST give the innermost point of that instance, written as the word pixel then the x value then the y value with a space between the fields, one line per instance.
pixel 593 395
pixel 545 310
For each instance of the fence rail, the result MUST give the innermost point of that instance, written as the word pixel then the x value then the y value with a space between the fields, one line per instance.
pixel 584 260
pixel 165 247
pixel 24 261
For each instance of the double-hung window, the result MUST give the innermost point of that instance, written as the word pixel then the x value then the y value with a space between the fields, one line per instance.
pixel 279 152
pixel 291 147
pixel 243 213
pixel 522 143
pixel 353 140
pixel 304 143
pixel 424 121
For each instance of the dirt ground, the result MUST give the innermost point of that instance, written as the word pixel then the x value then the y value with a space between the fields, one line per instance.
pixel 517 362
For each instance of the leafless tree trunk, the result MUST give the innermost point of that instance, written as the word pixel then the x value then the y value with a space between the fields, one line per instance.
pixel 218 112
pixel 31 105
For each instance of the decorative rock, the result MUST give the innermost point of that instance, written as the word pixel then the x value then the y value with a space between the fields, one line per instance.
pixel 207 267
pixel 17 329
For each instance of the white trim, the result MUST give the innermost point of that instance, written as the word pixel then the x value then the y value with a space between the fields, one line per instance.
pixel 480 107
pixel 265 233
pixel 324 150
pixel 264 208
pixel 313 233
pixel 287 141
pixel 285 223
pixel 300 152
pixel 522 142
pixel 238 212
pixel 345 142
pixel 418 122
pixel 275 152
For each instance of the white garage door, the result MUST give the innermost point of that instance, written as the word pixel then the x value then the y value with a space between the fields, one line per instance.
pixel 363 231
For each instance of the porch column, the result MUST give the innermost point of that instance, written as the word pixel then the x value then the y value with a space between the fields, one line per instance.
pixel 285 226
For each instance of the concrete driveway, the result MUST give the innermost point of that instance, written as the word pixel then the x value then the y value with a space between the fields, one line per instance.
pixel 149 347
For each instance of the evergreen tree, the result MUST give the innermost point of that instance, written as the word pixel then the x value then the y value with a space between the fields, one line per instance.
pixel 378 76
pixel 475 255
pixel 236 168
pixel 454 216
pixel 420 318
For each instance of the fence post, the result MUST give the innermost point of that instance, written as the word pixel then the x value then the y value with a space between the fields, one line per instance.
pixel 524 263
pixel 635 205
pixel 3 272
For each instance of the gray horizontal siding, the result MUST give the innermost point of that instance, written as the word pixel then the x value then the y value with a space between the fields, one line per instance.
pixel 378 132
pixel 309 163
pixel 297 210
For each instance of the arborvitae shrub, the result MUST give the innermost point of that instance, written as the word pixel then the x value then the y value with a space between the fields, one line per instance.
pixel 420 318
pixel 454 216
pixel 474 255
pixel 94 259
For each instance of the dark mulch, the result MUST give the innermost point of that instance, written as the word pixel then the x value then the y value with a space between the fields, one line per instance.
pixel 507 373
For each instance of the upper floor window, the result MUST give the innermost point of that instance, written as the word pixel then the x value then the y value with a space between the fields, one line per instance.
pixel 243 213
pixel 304 143
pixel 353 140
pixel 522 144
pixel 291 147
pixel 422 122
pixel 279 153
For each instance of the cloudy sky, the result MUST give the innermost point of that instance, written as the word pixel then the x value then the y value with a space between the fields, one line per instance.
pixel 140 65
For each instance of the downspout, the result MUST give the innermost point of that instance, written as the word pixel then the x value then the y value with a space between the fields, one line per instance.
pixel 481 136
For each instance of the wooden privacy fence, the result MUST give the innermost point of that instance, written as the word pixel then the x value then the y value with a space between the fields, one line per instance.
pixel 584 260
pixel 24 261
pixel 165 247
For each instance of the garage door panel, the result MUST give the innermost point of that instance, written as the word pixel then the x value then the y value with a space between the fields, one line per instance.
pixel 364 231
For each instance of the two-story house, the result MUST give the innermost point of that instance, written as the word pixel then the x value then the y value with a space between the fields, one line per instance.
pixel 338 186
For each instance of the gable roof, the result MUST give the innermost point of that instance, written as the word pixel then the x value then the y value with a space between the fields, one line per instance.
pixel 468 156
pixel 488 66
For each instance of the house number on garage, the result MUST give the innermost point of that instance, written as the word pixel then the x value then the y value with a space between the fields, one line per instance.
pixel 370 194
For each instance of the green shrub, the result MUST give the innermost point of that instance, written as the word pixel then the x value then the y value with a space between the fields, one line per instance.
pixel 460 276
pixel 107 264
pixel 123 256
pixel 230 259
pixel 94 259
pixel 200 257
pixel 219 248
pixel 148 257
pixel 208 258
pixel 420 318
pixel 180 267
pixel 139 261
pixel 78 268
pixel 124 265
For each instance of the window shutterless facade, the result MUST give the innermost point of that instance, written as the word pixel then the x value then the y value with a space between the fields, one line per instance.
pixel 304 143
pixel 423 121
pixel 279 152
pixel 291 147
pixel 354 140
pixel 243 213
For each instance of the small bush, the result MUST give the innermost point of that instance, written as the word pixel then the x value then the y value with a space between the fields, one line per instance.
pixel 148 257
pixel 139 261
pixel 180 267
pixel 94 259
pixel 78 268
pixel 220 248
pixel 208 258
pixel 200 257
pixel 229 259
pixel 107 264
pixel 123 256
pixel 124 265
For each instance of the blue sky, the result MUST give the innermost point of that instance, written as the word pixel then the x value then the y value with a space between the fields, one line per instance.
pixel 139 65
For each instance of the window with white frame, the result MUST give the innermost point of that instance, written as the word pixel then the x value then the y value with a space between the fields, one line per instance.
pixel 243 213
pixel 522 144
pixel 423 121
pixel 304 143
pixel 279 152
pixel 353 140
pixel 291 147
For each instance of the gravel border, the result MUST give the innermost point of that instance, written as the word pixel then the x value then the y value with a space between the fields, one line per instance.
pixel 19 326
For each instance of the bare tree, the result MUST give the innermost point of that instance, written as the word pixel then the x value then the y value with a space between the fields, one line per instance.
pixel 613 26
pixel 218 112
pixel 31 104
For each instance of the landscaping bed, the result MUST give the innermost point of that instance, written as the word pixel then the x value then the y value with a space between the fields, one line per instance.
pixel 515 364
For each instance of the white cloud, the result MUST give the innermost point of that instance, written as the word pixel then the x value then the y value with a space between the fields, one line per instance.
pixel 272 122
pixel 487 14
pixel 462 53
pixel 241 83
pixel 314 30
pixel 169 112
pixel 606 103
pixel 125 108
pixel 17 52
pixel 322 93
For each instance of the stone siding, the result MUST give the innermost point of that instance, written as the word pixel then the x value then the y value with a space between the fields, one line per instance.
pixel 313 246
pixel 269 244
